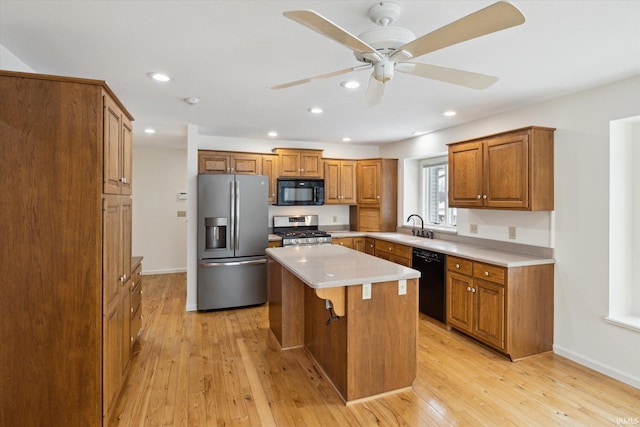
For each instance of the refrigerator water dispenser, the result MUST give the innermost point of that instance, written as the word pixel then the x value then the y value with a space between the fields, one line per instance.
pixel 216 233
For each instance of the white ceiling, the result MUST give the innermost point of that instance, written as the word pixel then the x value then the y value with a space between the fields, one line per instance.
pixel 227 52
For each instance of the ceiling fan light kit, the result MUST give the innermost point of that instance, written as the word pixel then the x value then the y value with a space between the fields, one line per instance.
pixel 385 48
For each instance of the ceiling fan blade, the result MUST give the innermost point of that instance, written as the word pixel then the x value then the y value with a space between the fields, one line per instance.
pixel 375 92
pixel 448 75
pixel 499 16
pixel 319 77
pixel 322 25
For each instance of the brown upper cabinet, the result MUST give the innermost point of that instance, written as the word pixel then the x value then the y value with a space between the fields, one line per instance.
pixel 339 181
pixel 377 183
pixel 118 144
pixel 270 169
pixel 511 170
pixel 218 162
pixel 298 162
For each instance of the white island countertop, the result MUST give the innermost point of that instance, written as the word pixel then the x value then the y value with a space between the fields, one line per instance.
pixel 329 266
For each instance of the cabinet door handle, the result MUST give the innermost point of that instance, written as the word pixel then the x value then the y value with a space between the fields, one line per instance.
pixel 457 265
pixel 469 288
pixel 484 196
pixel 478 196
pixel 486 273
pixel 473 289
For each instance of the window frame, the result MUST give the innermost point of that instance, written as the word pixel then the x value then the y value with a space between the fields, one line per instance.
pixel 425 193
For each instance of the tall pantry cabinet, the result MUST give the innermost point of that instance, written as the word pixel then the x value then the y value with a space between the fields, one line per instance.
pixel 65 230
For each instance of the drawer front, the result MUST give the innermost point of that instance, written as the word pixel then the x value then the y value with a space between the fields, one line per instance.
pixel 459 265
pixel 489 272
pixel 393 248
pixel 343 241
pixel 136 324
pixel 136 297
pixel 136 276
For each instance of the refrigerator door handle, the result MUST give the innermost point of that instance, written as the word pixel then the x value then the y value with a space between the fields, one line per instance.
pixel 237 228
pixel 228 264
pixel 233 215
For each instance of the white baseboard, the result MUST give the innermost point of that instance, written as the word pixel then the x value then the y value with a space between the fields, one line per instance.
pixel 192 307
pixel 164 271
pixel 597 366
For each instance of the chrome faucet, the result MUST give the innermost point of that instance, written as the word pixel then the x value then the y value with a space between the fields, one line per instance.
pixel 413 228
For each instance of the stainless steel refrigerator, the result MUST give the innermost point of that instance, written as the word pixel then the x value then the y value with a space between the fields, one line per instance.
pixel 232 238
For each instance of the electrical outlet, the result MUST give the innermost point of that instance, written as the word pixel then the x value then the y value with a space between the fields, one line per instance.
pixel 402 287
pixel 512 232
pixel 182 214
pixel 366 291
pixel 335 219
pixel 473 228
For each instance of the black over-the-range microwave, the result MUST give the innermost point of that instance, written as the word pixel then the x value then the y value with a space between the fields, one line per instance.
pixel 300 191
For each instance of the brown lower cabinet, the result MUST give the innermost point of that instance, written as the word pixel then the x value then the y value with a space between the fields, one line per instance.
pixel 509 309
pixel 394 252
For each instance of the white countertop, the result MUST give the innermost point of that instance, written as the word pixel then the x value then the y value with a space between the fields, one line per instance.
pixel 476 253
pixel 328 266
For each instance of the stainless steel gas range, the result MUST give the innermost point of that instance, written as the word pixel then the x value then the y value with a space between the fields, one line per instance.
pixel 300 230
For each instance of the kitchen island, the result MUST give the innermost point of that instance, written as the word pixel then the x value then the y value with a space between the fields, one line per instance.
pixel 356 315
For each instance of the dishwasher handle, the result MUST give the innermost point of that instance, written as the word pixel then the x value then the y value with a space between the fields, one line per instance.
pixel 428 256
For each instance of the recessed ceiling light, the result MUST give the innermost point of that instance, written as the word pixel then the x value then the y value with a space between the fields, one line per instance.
pixel 159 77
pixel 149 131
pixel 273 134
pixel 418 133
pixel 315 110
pixel 449 113
pixel 351 84
pixel 346 139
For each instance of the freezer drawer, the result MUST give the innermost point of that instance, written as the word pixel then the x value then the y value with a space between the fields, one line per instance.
pixel 236 282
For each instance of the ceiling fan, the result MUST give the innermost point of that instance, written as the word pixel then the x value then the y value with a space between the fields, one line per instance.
pixel 386 49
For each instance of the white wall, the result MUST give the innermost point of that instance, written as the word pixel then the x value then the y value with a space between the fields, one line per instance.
pixel 580 222
pixel 8 61
pixel 159 235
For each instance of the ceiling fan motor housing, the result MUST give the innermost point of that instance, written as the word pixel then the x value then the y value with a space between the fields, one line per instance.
pixel 385 39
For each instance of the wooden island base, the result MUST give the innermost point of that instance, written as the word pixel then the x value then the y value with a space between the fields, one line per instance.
pixel 370 350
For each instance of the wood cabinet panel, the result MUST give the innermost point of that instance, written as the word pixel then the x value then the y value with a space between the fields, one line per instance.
pixel 369 181
pixel 377 195
pixel 343 241
pixel 213 162
pixel 370 246
pixel 511 170
pixel 489 320
pixel 275 244
pixel 465 175
pixel 117 150
pixel 270 169
pixel 300 163
pixel 339 181
pixel 219 162
pixel 394 252
pixel 75 134
pixel 459 304
pixel 359 244
pixel 510 309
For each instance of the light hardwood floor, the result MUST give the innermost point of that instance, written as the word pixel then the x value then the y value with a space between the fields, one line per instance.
pixel 225 368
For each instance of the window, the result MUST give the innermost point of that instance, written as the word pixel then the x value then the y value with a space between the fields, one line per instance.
pixel 624 228
pixel 434 186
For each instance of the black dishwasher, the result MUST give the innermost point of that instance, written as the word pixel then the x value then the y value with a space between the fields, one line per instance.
pixel 432 266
